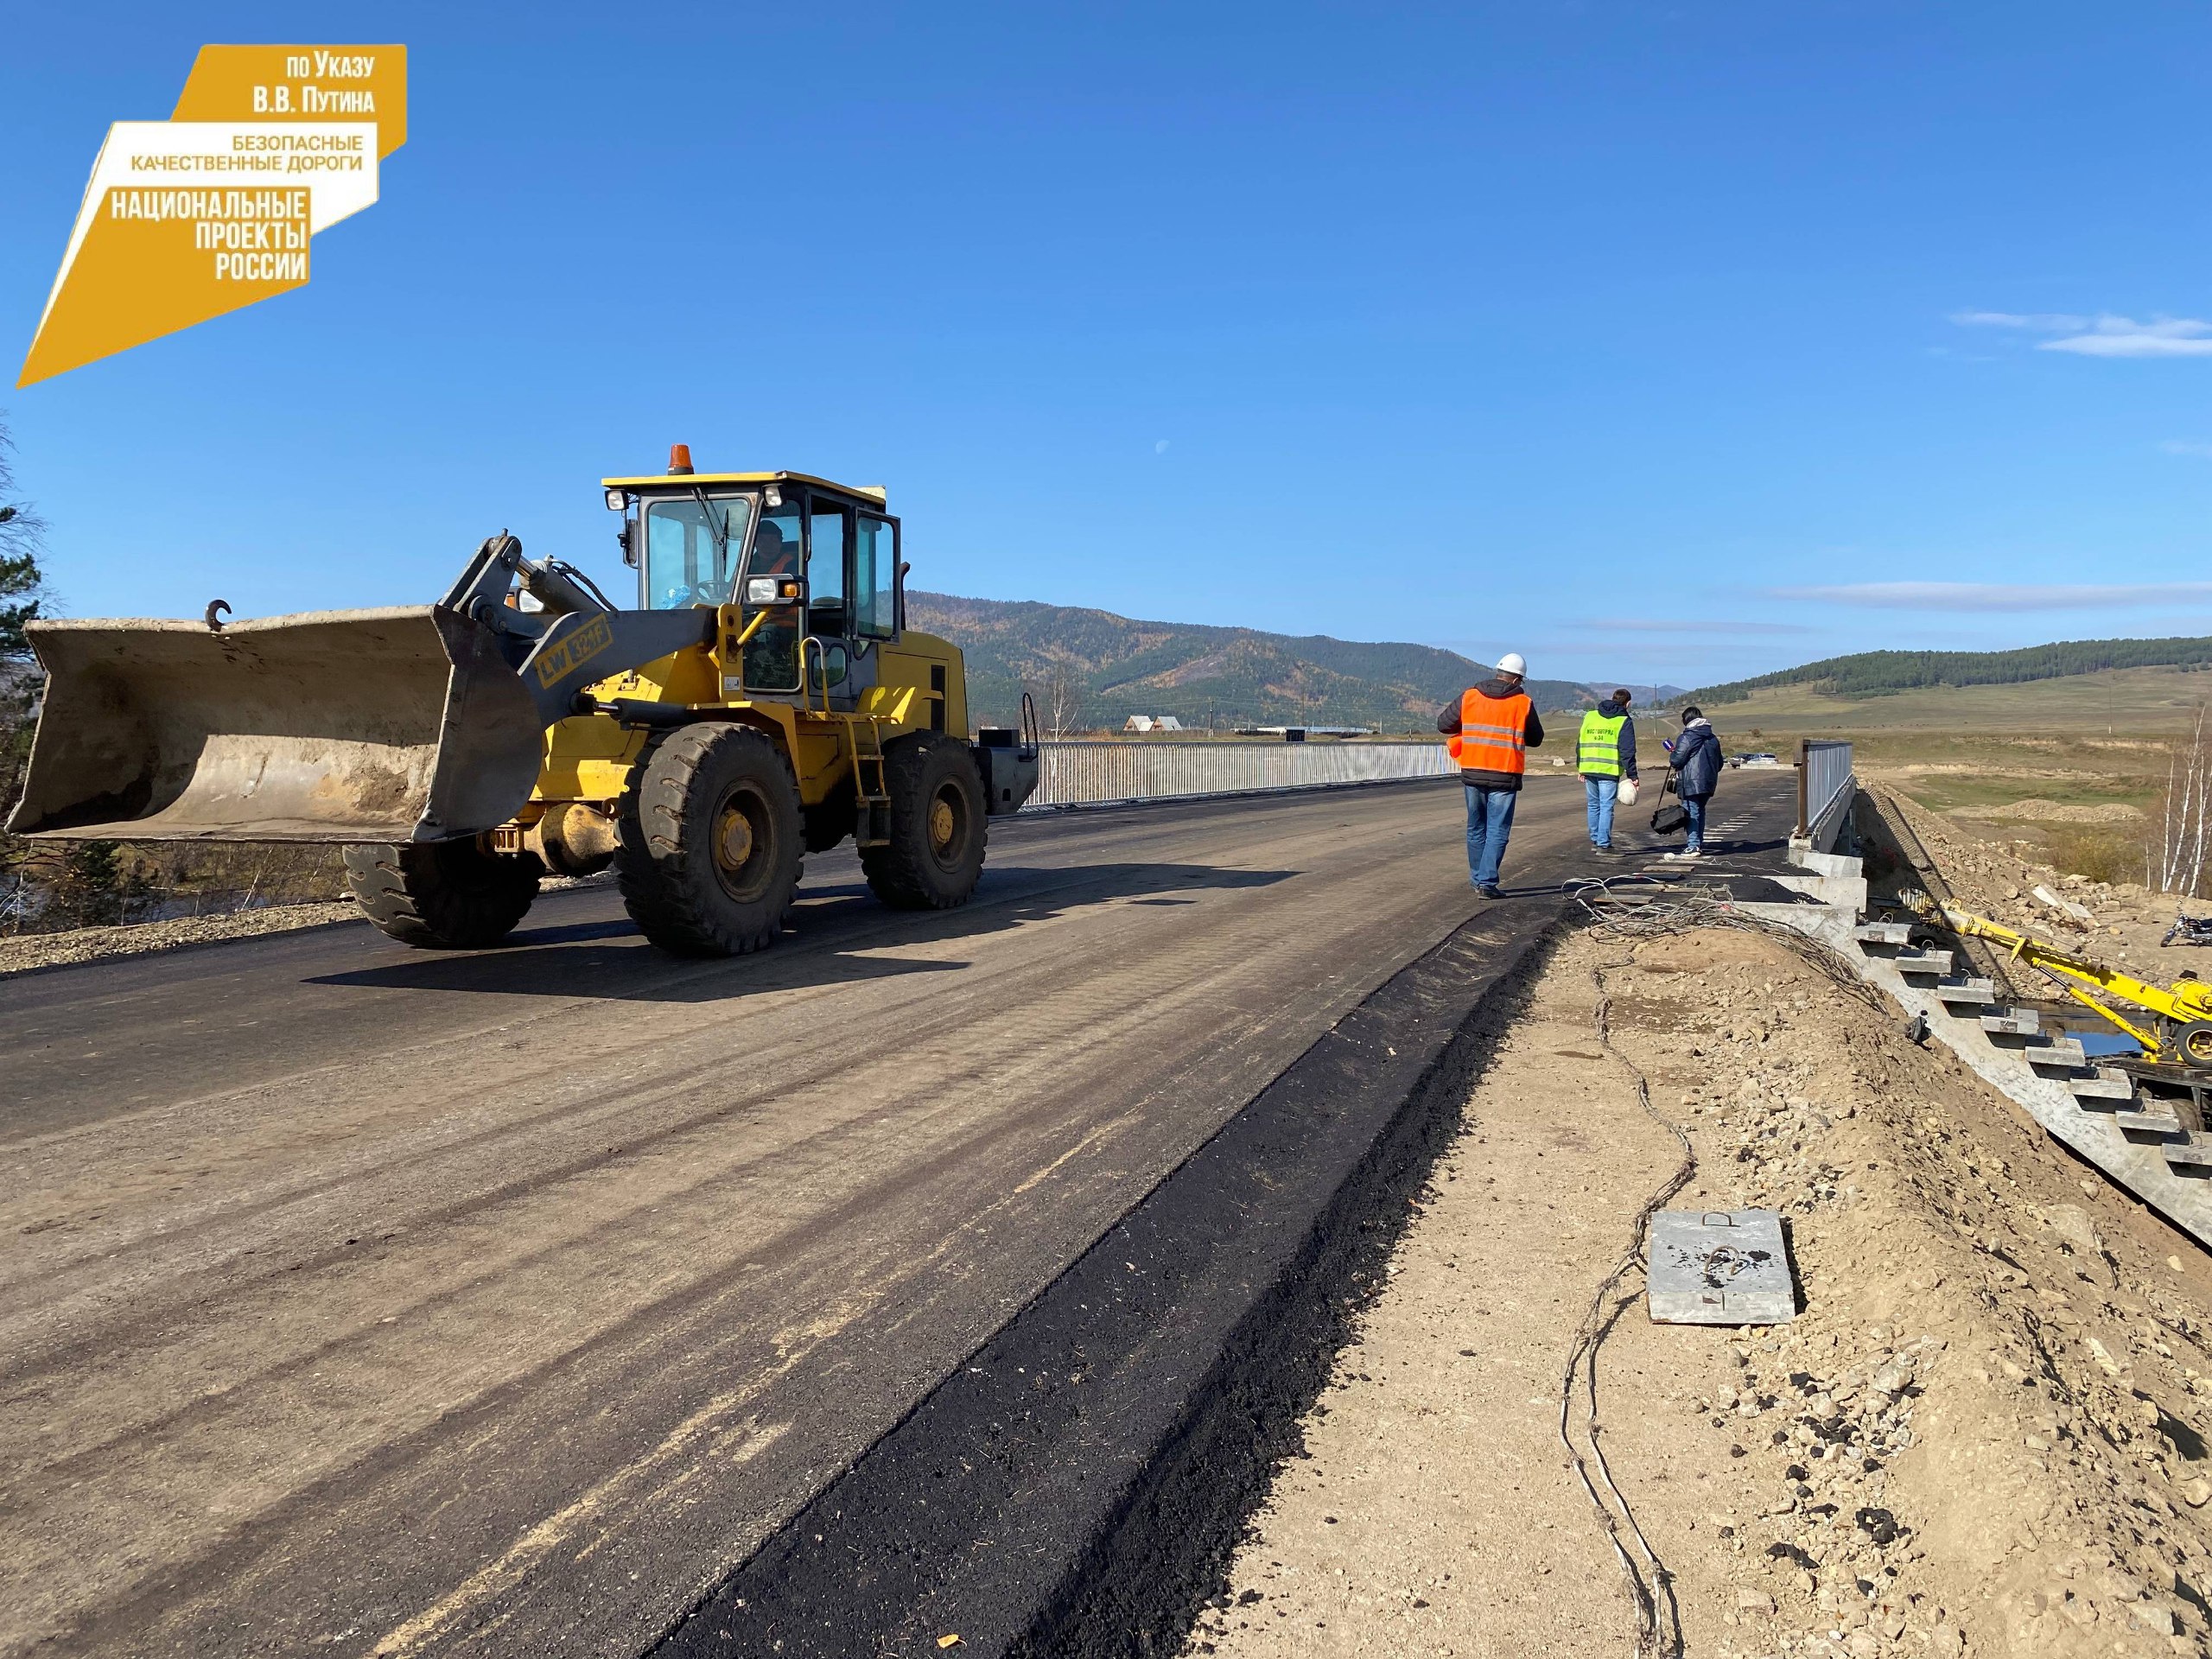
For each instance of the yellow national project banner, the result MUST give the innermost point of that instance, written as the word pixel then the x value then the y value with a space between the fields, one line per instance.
pixel 217 206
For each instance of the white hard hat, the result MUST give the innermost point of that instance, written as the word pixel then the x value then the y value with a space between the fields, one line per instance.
pixel 1512 662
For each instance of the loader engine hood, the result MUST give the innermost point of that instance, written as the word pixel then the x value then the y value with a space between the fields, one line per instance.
pixel 395 725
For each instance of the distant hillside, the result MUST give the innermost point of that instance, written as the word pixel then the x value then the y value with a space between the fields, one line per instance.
pixel 1116 667
pixel 1883 673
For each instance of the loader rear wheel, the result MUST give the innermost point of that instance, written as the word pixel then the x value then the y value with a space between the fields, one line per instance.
pixel 708 862
pixel 936 851
pixel 442 895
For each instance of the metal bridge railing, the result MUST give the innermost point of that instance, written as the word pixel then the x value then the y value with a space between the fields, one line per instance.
pixel 1825 783
pixel 1073 773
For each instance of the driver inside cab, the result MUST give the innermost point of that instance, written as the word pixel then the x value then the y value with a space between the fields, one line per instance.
pixel 691 548
pixel 771 654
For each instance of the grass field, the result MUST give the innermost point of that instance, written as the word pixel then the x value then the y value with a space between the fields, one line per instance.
pixel 2091 738
pixel 2088 747
pixel 1988 788
pixel 2131 702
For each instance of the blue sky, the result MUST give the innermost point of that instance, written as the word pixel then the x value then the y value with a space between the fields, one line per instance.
pixel 1653 341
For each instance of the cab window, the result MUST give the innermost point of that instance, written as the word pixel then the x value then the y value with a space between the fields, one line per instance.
pixel 828 530
pixel 776 549
pixel 771 654
pixel 692 547
pixel 875 578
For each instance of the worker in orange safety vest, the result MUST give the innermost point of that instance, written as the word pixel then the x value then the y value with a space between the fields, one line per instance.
pixel 1491 726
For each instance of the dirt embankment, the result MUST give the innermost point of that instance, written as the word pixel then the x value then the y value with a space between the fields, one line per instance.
pixel 2125 919
pixel 1983 1435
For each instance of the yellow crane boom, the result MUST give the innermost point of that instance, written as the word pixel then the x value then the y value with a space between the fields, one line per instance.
pixel 2183 1008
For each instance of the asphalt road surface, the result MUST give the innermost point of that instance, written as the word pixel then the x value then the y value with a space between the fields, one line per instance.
pixel 361 1300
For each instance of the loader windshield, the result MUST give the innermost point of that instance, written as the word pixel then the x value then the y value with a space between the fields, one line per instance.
pixel 691 549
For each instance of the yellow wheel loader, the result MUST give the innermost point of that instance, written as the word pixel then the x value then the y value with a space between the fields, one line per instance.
pixel 765 700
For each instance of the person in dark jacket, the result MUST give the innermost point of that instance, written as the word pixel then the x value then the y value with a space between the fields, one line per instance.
pixel 1492 727
pixel 1695 758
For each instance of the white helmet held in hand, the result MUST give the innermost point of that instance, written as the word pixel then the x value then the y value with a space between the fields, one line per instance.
pixel 1512 662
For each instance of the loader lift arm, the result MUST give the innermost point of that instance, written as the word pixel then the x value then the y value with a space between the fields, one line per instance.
pixel 577 638
pixel 417 724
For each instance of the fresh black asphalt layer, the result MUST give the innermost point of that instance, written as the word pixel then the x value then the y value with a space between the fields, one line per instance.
pixel 1077 1487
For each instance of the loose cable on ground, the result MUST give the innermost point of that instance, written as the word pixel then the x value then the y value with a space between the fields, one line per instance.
pixel 1658 1621
pixel 1618 912
pixel 1629 910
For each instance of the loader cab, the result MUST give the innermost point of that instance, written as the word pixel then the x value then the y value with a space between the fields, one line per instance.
pixel 811 568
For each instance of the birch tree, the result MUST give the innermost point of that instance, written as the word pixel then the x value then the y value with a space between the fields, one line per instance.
pixel 1058 696
pixel 2187 823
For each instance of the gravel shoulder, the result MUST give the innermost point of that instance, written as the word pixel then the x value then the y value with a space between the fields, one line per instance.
pixel 27 953
pixel 1983 1434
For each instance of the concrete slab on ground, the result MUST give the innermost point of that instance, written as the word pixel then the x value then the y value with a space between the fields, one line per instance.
pixel 1719 1267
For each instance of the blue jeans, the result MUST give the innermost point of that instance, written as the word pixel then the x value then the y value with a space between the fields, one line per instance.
pixel 1601 793
pixel 1489 826
pixel 1694 808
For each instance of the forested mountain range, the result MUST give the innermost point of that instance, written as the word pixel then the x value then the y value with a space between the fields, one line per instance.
pixel 1105 668
pixel 1881 673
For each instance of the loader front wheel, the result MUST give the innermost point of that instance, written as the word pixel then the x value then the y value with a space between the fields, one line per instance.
pixel 708 862
pixel 936 851
pixel 442 895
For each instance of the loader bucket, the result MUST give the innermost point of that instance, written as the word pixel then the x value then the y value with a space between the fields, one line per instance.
pixel 334 725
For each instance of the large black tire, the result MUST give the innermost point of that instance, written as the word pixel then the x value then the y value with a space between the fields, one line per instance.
pixel 935 850
pixel 442 895
pixel 2192 1043
pixel 709 857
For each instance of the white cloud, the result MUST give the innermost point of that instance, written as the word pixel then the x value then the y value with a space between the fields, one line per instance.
pixel 2107 335
pixel 2044 323
pixel 2124 337
pixel 2183 447
pixel 2000 595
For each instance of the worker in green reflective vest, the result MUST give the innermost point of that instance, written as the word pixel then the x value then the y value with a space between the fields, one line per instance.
pixel 1604 752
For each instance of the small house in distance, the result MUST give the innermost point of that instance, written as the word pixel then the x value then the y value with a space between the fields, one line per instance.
pixel 1152 724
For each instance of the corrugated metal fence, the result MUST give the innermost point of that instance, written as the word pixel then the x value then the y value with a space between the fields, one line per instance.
pixel 1075 773
pixel 1825 782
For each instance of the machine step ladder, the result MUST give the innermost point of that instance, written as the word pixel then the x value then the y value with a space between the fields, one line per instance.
pixel 872 809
